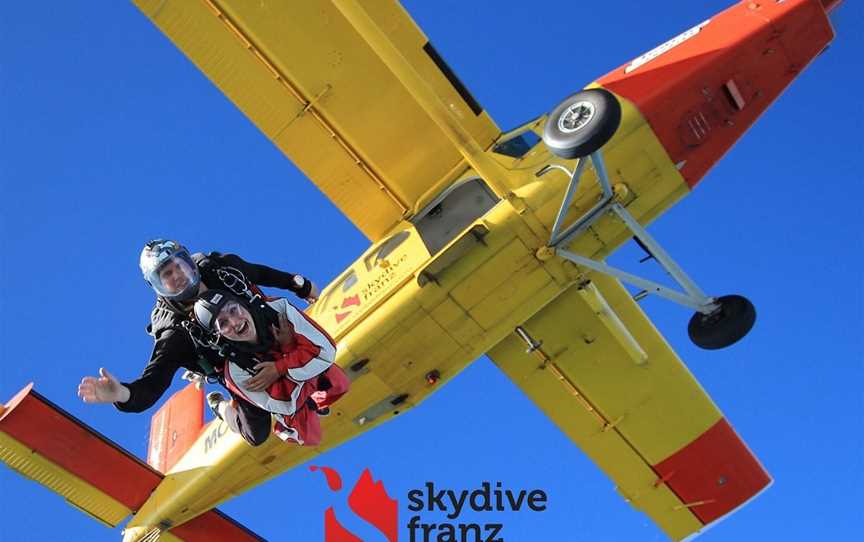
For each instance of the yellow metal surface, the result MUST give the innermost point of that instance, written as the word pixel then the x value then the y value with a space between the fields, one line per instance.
pixel 445 115
pixel 610 318
pixel 385 267
pixel 80 494
pixel 316 88
pixel 655 408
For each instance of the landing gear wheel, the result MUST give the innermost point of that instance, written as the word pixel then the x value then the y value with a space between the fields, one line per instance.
pixel 582 123
pixel 726 326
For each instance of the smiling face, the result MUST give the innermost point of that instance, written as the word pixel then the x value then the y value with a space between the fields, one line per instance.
pixel 235 323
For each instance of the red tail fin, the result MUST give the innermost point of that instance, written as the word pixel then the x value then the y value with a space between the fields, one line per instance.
pixel 175 427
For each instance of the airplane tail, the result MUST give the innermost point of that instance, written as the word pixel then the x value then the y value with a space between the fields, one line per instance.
pixel 701 90
pixel 48 445
pixel 175 427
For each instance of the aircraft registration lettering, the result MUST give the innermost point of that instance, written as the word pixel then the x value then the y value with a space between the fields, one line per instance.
pixel 215 434
pixel 669 45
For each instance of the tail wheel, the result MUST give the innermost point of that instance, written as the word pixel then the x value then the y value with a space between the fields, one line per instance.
pixel 582 123
pixel 726 326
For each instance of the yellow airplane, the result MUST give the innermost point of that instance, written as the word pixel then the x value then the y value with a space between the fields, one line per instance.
pixel 483 242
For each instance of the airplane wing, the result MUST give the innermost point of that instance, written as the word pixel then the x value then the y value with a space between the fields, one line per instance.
pixel 323 96
pixel 613 385
pixel 42 442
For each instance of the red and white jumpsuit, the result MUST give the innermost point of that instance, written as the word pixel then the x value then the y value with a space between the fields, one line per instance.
pixel 307 366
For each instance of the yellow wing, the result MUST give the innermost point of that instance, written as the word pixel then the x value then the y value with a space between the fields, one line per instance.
pixel 607 378
pixel 320 92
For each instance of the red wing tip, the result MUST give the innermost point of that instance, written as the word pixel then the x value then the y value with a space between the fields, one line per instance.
pixel 716 472
pixel 15 401
pixel 716 521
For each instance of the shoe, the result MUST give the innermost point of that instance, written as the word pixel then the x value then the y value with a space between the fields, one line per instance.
pixel 214 399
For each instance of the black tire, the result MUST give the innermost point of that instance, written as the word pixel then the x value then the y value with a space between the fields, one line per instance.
pixel 725 327
pixel 582 123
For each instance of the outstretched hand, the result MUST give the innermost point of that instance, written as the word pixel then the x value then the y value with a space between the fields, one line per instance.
pixel 283 333
pixel 102 389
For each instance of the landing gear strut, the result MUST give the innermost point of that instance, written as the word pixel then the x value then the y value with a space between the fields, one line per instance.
pixel 578 128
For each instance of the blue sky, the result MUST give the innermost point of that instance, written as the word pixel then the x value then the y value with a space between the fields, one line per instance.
pixel 109 137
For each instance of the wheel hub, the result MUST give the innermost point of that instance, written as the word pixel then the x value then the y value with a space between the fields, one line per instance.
pixel 576 117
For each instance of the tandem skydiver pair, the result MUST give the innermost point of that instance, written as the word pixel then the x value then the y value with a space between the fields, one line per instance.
pixel 212 318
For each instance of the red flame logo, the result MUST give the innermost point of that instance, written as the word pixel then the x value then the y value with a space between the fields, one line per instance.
pixel 368 500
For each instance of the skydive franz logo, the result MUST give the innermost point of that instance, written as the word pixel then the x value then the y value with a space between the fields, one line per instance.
pixel 369 500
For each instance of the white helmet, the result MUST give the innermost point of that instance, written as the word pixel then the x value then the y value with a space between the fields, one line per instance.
pixel 168 268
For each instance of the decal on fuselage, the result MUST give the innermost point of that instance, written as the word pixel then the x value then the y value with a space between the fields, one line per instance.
pixel 669 45
pixel 387 272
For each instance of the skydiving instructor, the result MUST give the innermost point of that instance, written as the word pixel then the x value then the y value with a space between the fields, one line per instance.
pixel 178 278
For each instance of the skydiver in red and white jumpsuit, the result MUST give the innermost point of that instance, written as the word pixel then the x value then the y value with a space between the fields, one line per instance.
pixel 283 362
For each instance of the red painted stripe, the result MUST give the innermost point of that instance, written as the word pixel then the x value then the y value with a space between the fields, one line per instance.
pixel 761 46
pixel 349 301
pixel 214 526
pixel 43 427
pixel 717 469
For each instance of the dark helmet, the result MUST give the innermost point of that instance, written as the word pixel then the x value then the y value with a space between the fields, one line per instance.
pixel 209 304
pixel 168 268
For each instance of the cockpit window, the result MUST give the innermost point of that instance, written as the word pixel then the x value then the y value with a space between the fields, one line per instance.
pixel 518 146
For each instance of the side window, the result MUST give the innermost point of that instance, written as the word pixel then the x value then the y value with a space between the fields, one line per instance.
pixel 386 248
pixel 449 214
pixel 518 146
pixel 343 286
pixel 349 281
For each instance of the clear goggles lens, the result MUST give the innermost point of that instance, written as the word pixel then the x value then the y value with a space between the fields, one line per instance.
pixel 176 277
pixel 227 317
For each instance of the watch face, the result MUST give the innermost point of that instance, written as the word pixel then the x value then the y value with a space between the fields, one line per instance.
pixel 299 281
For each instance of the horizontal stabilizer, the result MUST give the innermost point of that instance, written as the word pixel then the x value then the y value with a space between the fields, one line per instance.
pixel 48 445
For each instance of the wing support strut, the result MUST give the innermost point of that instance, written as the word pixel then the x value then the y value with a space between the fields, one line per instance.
pixel 690 295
